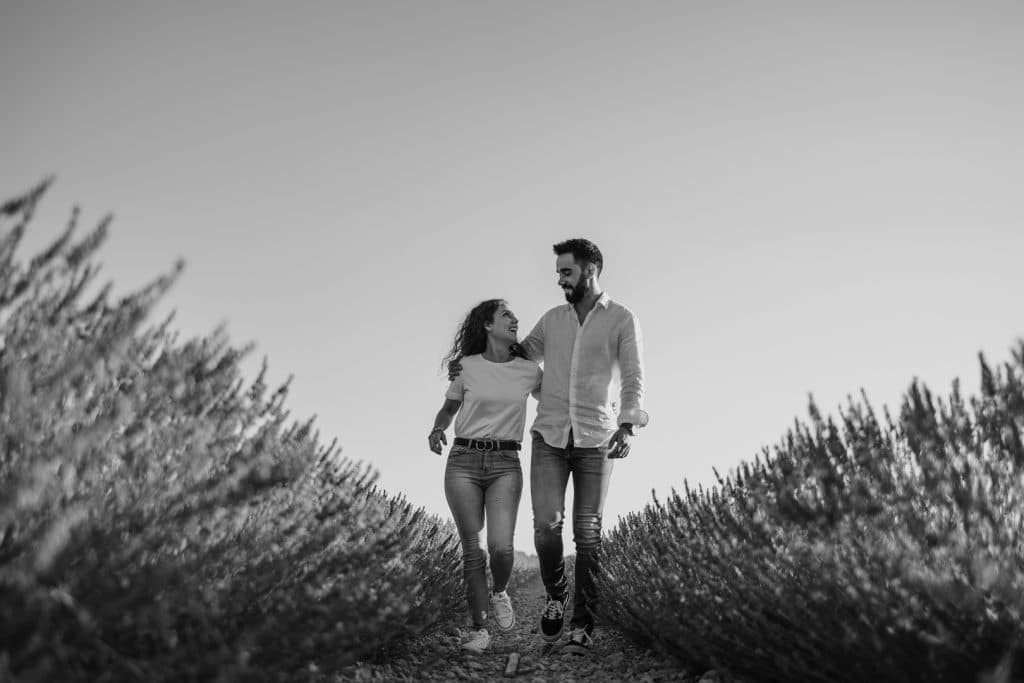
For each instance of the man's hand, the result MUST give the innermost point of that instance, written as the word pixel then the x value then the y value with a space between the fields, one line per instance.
pixel 454 369
pixel 619 445
pixel 435 439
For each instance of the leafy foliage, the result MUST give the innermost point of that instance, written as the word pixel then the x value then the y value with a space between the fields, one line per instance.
pixel 866 550
pixel 160 518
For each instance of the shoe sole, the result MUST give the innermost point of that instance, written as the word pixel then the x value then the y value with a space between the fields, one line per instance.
pixel 576 650
pixel 552 638
pixel 502 629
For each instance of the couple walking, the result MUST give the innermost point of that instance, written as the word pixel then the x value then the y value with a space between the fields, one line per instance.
pixel 588 348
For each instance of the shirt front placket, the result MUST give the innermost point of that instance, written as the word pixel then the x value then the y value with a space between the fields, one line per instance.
pixel 574 367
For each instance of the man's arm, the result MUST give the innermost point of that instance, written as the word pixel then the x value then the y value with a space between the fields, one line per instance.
pixel 631 372
pixel 533 345
pixel 631 368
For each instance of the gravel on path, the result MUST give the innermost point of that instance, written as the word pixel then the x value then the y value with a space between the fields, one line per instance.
pixel 437 657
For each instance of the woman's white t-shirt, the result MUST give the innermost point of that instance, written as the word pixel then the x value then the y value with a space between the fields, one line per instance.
pixel 493 397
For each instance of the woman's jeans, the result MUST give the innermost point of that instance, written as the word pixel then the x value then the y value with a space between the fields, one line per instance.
pixel 591 471
pixel 475 482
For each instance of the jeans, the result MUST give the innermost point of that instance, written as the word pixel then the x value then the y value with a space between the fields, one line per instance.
pixel 476 482
pixel 591 471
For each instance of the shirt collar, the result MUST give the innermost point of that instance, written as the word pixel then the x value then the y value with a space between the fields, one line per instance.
pixel 603 301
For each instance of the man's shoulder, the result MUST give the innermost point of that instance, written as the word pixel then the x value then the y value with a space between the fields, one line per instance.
pixel 619 308
pixel 561 309
pixel 556 313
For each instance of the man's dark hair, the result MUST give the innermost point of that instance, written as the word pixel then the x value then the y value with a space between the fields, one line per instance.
pixel 584 251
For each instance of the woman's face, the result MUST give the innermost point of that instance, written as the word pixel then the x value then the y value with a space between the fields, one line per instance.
pixel 505 327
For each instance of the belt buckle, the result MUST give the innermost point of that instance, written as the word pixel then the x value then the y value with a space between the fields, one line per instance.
pixel 484 444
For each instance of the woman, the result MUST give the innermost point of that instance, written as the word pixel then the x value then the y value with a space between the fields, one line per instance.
pixel 483 477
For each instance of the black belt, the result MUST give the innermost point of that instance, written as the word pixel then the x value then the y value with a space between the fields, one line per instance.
pixel 487 444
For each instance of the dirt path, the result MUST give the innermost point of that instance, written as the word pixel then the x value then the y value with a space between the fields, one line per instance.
pixel 438 657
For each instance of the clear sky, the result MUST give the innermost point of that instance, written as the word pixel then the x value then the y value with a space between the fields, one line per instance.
pixel 794 198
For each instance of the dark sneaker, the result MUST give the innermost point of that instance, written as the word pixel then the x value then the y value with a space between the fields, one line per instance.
pixel 579 643
pixel 553 618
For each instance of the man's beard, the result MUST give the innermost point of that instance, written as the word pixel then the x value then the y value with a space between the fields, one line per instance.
pixel 576 294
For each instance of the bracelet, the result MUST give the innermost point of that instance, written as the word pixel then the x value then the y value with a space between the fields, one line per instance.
pixel 435 429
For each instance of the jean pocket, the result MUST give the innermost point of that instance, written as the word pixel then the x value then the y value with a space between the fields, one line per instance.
pixel 511 456
pixel 457 450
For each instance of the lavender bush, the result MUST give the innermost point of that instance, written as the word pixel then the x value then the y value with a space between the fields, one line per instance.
pixel 857 550
pixel 161 519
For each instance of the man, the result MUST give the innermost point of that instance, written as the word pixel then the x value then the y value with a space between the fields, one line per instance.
pixel 587 347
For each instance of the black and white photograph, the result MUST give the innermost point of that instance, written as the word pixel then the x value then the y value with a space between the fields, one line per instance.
pixel 487 340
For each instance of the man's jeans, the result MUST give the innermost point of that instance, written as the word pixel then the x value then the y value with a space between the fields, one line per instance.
pixel 475 482
pixel 591 471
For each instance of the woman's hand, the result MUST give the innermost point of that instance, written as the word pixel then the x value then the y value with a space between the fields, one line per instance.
pixel 435 440
pixel 443 420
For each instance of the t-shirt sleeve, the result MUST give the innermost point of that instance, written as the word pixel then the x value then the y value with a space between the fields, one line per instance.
pixel 457 388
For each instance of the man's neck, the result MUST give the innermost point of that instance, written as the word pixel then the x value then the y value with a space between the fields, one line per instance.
pixel 587 303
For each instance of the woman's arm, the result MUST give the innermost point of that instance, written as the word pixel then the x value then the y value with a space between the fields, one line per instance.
pixel 444 418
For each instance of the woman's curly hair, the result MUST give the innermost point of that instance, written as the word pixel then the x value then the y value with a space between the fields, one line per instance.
pixel 471 338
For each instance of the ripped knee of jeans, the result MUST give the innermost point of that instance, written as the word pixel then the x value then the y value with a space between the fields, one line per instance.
pixel 587 531
pixel 551 525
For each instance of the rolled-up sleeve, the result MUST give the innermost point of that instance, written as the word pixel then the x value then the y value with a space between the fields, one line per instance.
pixel 533 345
pixel 631 368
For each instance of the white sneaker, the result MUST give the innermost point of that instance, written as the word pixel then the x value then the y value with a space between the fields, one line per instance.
pixel 504 617
pixel 579 643
pixel 478 641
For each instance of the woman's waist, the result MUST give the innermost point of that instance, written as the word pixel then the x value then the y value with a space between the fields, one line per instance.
pixel 488 442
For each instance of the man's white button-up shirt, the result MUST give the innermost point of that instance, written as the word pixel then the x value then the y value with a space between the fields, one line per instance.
pixel 585 366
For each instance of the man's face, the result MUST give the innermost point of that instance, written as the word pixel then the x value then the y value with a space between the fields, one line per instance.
pixel 571 278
